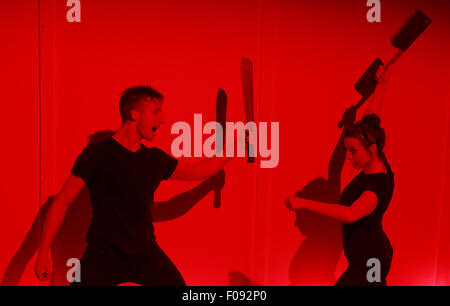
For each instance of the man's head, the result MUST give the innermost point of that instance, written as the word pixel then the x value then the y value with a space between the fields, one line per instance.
pixel 142 107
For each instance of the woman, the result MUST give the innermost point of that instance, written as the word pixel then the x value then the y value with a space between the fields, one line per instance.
pixel 362 205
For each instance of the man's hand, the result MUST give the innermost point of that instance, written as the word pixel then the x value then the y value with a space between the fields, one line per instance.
pixel 43 267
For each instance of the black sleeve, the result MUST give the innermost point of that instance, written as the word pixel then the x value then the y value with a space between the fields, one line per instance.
pixel 383 187
pixel 373 186
pixel 167 164
pixel 379 186
pixel 85 165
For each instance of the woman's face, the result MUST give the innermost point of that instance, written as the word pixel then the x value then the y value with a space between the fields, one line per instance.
pixel 357 154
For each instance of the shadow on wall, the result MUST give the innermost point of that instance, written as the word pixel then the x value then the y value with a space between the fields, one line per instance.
pixel 317 257
pixel 70 241
pixel 237 278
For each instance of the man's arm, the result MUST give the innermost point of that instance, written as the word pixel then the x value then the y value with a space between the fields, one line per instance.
pixel 201 170
pixel 53 221
pixel 205 168
pixel 180 204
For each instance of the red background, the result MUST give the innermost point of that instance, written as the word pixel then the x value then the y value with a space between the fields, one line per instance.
pixel 306 55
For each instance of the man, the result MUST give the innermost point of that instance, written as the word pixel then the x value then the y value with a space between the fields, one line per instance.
pixel 122 176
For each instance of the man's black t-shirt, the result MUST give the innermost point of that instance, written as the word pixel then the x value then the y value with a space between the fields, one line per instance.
pixel 122 185
pixel 365 238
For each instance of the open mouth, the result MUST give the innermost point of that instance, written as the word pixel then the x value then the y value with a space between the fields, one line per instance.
pixel 154 129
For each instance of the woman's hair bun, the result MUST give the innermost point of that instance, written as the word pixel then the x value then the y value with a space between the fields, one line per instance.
pixel 372 120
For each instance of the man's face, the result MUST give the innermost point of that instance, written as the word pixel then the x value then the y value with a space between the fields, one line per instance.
pixel 149 119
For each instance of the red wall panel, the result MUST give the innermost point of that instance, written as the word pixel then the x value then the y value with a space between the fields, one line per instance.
pixel 323 50
pixel 19 157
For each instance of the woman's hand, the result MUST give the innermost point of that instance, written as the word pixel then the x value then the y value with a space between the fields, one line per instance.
pixel 349 116
pixel 381 74
pixel 294 203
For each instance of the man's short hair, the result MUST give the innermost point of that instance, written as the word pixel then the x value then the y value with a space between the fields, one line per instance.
pixel 132 96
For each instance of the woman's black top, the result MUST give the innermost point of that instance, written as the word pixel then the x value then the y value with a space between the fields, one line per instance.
pixel 365 238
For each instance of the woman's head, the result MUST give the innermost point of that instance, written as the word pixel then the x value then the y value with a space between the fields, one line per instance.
pixel 365 141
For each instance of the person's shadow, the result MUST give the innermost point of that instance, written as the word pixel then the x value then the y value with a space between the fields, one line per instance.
pixel 70 241
pixel 317 257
